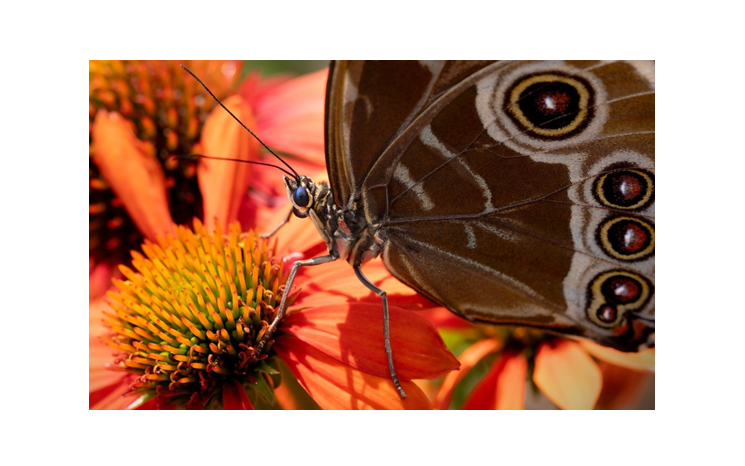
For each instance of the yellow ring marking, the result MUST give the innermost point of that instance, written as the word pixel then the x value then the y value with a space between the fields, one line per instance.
pixel 644 200
pixel 598 299
pixel 584 99
pixel 605 228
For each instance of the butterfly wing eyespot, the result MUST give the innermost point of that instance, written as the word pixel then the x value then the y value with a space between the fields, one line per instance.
pixel 615 293
pixel 627 238
pixel 551 105
pixel 625 189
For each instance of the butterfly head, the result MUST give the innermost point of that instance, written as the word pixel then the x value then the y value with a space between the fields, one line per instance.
pixel 303 194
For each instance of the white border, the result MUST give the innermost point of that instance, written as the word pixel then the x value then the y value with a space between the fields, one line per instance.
pixel 700 254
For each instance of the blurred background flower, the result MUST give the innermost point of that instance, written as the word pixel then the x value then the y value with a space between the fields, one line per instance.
pixel 142 114
pixel 517 368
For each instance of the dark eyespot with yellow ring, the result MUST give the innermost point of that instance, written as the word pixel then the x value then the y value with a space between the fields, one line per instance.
pixel 612 294
pixel 551 105
pixel 625 189
pixel 627 238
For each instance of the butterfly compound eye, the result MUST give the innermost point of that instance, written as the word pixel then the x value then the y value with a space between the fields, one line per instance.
pixel 300 197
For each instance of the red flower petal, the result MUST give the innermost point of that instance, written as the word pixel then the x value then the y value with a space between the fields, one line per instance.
pixel 468 359
pixel 234 396
pixel 503 387
pixel 353 334
pixel 223 184
pixel 291 116
pixel 567 375
pixel 99 280
pixel 443 319
pixel 334 385
pixel 322 285
pixel 111 397
pixel 134 175
pixel 102 381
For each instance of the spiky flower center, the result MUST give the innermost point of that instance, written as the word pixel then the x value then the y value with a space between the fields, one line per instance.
pixel 189 319
pixel 167 108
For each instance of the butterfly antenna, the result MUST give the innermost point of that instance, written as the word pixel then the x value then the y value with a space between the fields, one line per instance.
pixel 294 173
pixel 200 156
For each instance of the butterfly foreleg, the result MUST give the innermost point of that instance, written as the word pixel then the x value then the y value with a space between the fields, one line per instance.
pixel 276 229
pixel 386 331
pixel 283 303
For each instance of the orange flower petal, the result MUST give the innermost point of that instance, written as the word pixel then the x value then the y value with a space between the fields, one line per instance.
pixel 111 397
pixel 353 334
pixel 105 386
pixel 643 360
pixel 254 86
pixel 622 388
pixel 335 385
pixel 503 387
pixel 99 280
pixel 284 397
pixel 291 116
pixel 96 309
pixel 468 359
pixel 223 184
pixel 298 235
pixel 567 375
pixel 443 319
pixel 135 176
pixel 100 357
pixel 322 285
pixel 234 397
pixel 269 208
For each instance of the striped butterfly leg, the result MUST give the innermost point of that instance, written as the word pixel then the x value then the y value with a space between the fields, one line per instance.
pixel 276 229
pixel 283 304
pixel 386 331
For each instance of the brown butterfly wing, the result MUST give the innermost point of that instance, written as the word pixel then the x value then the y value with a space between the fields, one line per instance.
pixel 512 192
pixel 382 98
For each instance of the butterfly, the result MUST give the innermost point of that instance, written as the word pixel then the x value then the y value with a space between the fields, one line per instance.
pixel 510 192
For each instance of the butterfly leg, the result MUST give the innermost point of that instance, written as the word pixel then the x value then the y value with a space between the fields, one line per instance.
pixel 276 229
pixel 283 304
pixel 386 332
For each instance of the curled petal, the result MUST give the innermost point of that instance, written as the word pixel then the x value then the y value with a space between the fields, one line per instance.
pixel 291 116
pixel 503 387
pixel 335 385
pixel 352 333
pixel 642 361
pixel 567 375
pixel 223 184
pixel 134 175
pixel 468 359
pixel 234 396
